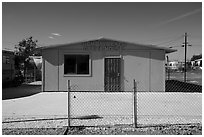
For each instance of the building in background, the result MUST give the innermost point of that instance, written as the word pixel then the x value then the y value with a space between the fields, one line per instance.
pixel 33 71
pixel 173 65
pixel 178 66
pixel 8 66
pixel 196 63
pixel 103 65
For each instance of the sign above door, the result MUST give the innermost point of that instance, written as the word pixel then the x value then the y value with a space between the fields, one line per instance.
pixel 102 46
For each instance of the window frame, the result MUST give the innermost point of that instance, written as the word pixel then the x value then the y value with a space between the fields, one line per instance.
pixel 6 59
pixel 78 75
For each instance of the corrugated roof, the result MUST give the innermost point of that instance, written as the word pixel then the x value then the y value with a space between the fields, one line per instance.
pixel 167 50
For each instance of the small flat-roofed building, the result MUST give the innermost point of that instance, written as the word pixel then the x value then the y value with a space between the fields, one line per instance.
pixel 103 65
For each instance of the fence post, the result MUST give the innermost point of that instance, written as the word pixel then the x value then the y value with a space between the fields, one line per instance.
pixel 68 102
pixel 135 103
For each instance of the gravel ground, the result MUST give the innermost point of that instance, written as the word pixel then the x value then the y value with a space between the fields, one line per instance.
pixel 34 131
pixel 56 125
pixel 34 122
pixel 189 129
pixel 192 129
pixel 61 121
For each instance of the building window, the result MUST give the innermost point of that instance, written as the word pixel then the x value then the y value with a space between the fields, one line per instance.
pixel 76 64
pixel 6 59
pixel 196 63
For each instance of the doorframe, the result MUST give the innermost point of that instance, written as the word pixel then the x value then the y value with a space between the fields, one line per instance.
pixel 112 56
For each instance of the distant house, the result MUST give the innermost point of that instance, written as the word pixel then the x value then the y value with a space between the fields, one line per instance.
pixel 178 65
pixel 173 65
pixel 38 67
pixel 33 70
pixel 103 65
pixel 196 63
pixel 8 66
pixel 38 61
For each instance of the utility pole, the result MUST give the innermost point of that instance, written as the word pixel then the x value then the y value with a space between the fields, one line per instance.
pixel 185 45
pixel 168 69
pixel 185 52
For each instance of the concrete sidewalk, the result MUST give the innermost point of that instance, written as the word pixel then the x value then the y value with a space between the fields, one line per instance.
pixel 44 103
pixel 55 103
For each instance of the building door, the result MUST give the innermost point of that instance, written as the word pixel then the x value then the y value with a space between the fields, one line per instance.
pixel 112 74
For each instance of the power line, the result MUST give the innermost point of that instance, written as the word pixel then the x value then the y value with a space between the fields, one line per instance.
pixel 195 36
pixel 171 41
pixel 174 46
pixel 192 45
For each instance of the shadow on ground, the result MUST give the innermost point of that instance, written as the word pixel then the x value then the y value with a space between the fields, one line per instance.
pixel 179 86
pixel 21 91
pixel 62 118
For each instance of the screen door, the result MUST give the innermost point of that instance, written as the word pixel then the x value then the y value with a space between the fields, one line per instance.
pixel 112 74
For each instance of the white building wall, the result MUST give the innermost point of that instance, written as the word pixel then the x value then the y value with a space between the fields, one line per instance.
pixel 50 70
pixel 145 66
pixel 93 82
pixel 157 71
pixel 136 66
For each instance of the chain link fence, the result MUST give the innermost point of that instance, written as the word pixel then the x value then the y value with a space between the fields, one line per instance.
pixel 94 108
pixel 101 108
pixel 157 108
pixel 193 76
pixel 177 82
pixel 180 103
pixel 175 105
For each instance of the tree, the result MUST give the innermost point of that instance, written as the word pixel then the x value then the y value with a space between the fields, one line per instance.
pixel 23 50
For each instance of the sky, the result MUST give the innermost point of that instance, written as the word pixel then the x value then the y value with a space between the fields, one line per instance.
pixel 155 23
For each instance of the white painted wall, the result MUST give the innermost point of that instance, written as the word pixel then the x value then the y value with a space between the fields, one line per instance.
pixel 50 69
pixel 136 66
pixel 157 71
pixel 93 82
pixel 145 66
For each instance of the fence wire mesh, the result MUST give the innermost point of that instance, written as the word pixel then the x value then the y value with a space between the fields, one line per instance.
pixel 126 86
pixel 193 76
pixel 177 82
pixel 174 105
pixel 101 108
pixel 155 108
pixel 179 103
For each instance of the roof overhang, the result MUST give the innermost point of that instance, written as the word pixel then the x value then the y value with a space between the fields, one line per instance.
pixel 167 50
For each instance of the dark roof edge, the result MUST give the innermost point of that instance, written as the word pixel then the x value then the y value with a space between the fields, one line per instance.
pixel 167 50
pixel 8 51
